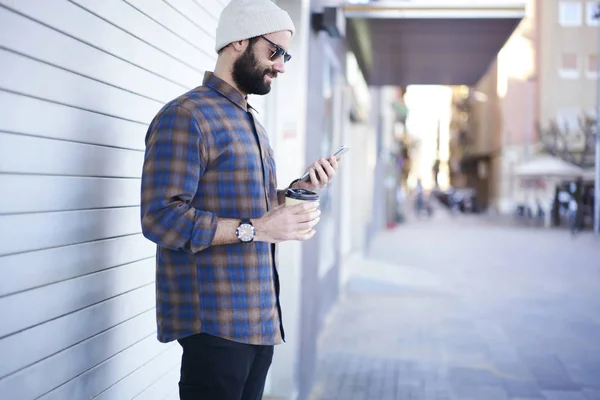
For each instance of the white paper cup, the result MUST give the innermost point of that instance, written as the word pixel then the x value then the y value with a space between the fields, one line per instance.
pixel 298 196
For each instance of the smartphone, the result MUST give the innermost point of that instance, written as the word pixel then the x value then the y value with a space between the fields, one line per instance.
pixel 339 152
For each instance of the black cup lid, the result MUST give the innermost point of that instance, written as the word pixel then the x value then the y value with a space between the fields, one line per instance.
pixel 301 194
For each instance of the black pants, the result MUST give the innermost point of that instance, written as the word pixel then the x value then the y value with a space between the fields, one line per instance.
pixel 213 368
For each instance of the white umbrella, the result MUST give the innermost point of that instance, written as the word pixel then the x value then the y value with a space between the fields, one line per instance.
pixel 549 166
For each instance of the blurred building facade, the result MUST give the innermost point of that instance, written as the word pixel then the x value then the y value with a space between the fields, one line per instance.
pixel 543 79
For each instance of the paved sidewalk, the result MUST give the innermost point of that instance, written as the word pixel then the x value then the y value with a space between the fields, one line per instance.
pixel 444 310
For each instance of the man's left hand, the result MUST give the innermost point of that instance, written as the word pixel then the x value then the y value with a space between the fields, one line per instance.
pixel 321 172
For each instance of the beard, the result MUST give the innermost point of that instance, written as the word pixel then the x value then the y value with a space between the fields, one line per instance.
pixel 249 76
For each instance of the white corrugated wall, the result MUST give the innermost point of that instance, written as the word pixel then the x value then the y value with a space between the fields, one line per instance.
pixel 80 80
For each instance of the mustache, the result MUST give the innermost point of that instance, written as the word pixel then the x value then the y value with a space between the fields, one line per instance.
pixel 273 74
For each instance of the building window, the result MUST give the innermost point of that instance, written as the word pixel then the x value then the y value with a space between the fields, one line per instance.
pixel 570 13
pixel 592 8
pixel 592 66
pixel 569 66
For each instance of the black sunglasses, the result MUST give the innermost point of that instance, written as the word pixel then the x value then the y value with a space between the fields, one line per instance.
pixel 279 51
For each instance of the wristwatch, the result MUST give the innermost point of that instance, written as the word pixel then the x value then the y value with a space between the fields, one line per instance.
pixel 245 231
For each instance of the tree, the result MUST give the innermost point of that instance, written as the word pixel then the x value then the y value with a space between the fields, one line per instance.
pixel 575 146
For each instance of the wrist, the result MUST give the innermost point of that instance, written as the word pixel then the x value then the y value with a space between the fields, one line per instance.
pixel 259 230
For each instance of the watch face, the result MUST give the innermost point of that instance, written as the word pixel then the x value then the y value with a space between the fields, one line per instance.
pixel 245 232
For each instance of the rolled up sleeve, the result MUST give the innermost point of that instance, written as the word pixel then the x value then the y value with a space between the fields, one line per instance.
pixel 174 161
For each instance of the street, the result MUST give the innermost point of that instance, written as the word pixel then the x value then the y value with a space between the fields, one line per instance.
pixel 464 309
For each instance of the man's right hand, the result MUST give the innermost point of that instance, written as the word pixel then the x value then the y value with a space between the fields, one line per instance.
pixel 287 223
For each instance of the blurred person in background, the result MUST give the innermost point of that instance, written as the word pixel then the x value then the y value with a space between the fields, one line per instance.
pixel 419 191
pixel 209 201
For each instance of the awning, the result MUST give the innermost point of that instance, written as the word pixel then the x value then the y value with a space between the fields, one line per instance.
pixel 550 167
pixel 422 42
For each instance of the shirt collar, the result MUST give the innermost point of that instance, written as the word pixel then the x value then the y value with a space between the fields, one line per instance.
pixel 226 90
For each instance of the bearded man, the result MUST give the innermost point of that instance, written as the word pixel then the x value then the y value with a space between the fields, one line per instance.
pixel 210 202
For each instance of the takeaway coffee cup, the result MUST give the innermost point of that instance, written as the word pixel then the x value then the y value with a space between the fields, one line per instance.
pixel 297 196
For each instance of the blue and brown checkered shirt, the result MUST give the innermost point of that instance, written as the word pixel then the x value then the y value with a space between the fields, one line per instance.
pixel 207 157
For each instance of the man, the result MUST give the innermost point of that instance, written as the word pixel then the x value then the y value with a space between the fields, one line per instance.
pixel 210 202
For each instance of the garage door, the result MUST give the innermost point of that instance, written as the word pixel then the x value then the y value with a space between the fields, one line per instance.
pixel 80 81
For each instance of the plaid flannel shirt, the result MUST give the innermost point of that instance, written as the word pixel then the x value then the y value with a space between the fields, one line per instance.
pixel 208 158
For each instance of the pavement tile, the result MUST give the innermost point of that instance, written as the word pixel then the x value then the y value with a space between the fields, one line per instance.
pixel 478 392
pixel 522 389
pixel 591 393
pixel 550 373
pixel 585 374
pixel 513 370
pixel 564 395
pixel 460 376
pixel 409 392
pixel 504 353
pixel 583 354
pixel 528 398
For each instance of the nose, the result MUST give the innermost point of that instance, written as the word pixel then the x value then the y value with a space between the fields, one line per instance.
pixel 279 65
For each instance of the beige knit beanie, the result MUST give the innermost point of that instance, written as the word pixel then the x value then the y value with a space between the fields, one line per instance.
pixel 245 19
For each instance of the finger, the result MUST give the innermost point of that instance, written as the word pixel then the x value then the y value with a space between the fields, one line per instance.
pixel 313 178
pixel 305 236
pixel 307 225
pixel 323 179
pixel 329 169
pixel 334 162
pixel 307 217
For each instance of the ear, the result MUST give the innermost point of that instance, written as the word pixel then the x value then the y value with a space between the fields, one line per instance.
pixel 239 46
